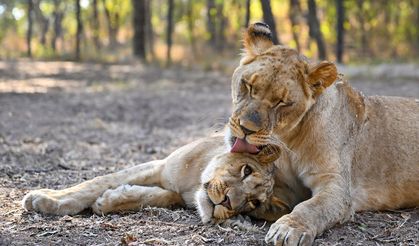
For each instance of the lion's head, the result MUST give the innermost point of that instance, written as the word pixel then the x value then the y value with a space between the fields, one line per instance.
pixel 234 183
pixel 272 90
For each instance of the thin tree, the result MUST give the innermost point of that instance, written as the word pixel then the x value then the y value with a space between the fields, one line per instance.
pixel 269 19
pixel 139 23
pixel 191 26
pixel 57 24
pixel 221 21
pixel 42 21
pixel 30 27
pixel 169 32
pixel 112 19
pixel 295 13
pixel 95 25
pixel 79 28
pixel 247 14
pixel 340 12
pixel 314 29
pixel 149 29
pixel 211 15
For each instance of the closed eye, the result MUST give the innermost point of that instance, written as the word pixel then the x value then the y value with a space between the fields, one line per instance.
pixel 248 86
pixel 281 104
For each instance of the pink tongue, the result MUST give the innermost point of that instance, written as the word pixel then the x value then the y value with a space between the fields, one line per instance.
pixel 242 146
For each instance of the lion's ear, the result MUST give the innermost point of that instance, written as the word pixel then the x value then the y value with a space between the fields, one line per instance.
pixel 269 154
pixel 257 39
pixel 322 75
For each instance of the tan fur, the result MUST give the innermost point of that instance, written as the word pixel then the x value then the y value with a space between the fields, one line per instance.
pixel 174 181
pixel 354 152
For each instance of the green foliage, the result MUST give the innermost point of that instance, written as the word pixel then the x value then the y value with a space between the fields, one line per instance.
pixel 374 30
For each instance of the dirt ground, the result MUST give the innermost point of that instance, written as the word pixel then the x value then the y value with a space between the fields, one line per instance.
pixel 62 123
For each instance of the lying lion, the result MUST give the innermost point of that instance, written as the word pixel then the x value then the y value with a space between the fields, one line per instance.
pixel 253 188
pixel 353 152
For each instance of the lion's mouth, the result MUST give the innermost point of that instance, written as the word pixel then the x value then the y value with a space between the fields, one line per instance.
pixel 240 145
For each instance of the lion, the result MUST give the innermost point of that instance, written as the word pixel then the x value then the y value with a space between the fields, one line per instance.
pixel 354 152
pixel 230 184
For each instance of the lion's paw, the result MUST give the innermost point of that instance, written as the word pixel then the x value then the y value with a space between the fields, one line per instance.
pixel 287 231
pixel 110 199
pixel 241 222
pixel 40 201
pixel 47 202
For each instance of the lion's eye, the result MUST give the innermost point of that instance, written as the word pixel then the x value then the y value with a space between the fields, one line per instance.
pixel 255 203
pixel 247 171
pixel 281 103
pixel 248 86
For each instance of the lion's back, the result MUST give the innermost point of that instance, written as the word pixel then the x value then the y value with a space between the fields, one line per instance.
pixel 386 161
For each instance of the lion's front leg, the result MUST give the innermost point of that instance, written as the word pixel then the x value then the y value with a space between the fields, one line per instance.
pixel 135 197
pixel 329 205
pixel 79 197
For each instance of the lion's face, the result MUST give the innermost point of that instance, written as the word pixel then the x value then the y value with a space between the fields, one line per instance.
pixel 234 183
pixel 272 89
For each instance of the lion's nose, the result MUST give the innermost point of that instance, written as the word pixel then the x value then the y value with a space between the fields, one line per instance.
pixel 246 131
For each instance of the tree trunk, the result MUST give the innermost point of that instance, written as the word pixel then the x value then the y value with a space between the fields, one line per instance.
pixel 211 13
pixel 340 12
pixel 149 33
pixel 314 29
pixel 247 15
pixel 30 26
pixel 113 25
pixel 191 27
pixel 269 19
pixel 169 32
pixel 220 40
pixel 58 18
pixel 416 42
pixel 42 20
pixel 79 29
pixel 139 23
pixel 295 17
pixel 95 25
pixel 361 19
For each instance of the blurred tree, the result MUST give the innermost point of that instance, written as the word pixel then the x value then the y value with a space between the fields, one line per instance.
pixel 58 16
pixel 79 29
pixel 269 19
pixel 42 20
pixel 340 11
pixel 169 32
pixel 361 20
pixel 247 13
pixel 211 15
pixel 30 27
pixel 314 29
pixel 139 23
pixel 95 25
pixel 221 25
pixel 113 21
pixel 191 26
pixel 149 33
pixel 295 15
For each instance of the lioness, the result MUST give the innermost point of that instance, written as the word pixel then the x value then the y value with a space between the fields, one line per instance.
pixel 353 152
pixel 251 187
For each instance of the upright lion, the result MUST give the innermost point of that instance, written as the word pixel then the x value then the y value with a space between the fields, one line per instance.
pixel 353 152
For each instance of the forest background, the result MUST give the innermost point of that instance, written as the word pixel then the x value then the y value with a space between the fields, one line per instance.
pixel 206 33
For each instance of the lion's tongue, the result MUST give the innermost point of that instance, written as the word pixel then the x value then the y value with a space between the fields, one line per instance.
pixel 242 146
